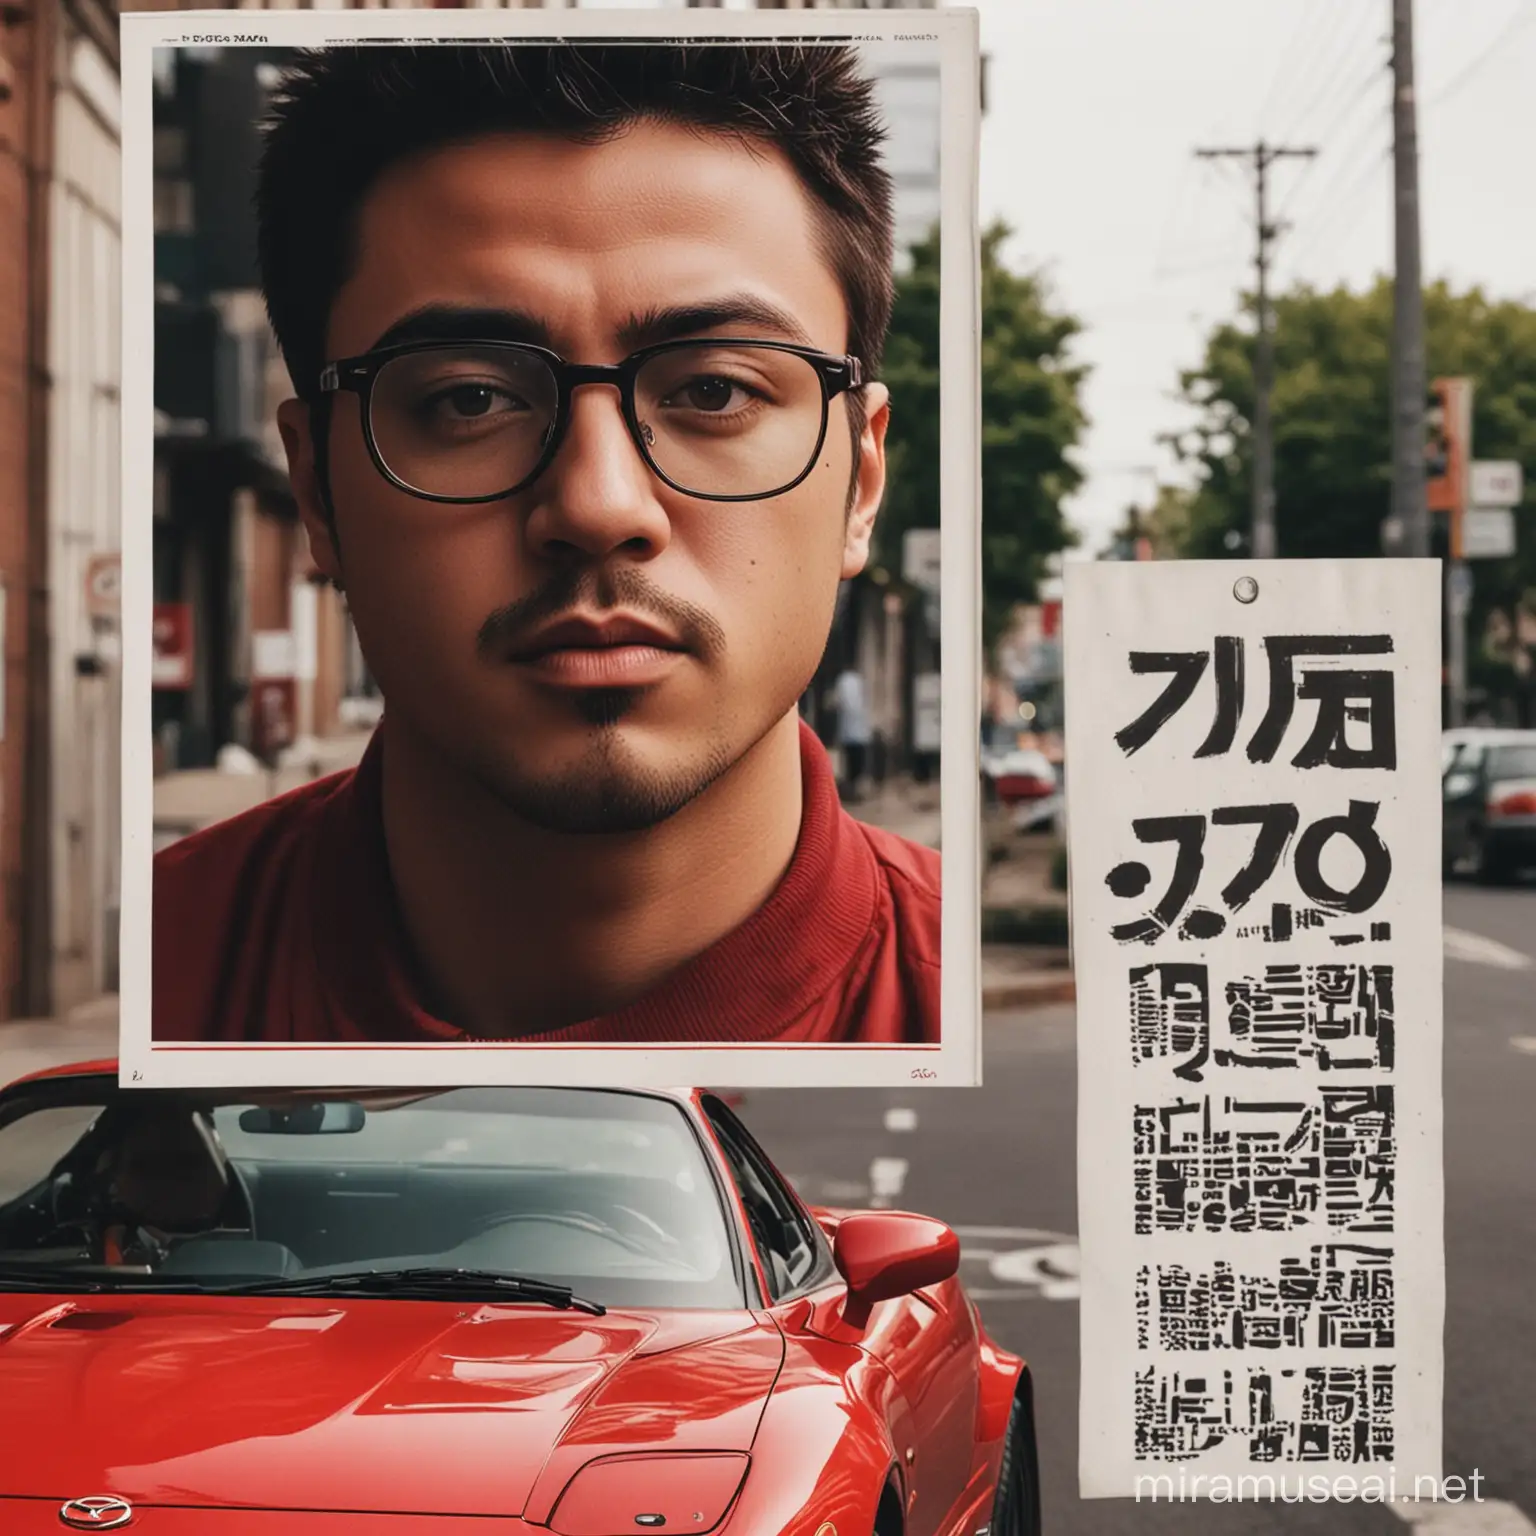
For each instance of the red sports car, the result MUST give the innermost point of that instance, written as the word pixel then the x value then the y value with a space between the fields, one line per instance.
pixel 577 1311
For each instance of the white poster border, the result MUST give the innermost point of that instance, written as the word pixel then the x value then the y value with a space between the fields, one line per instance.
pixel 956 1061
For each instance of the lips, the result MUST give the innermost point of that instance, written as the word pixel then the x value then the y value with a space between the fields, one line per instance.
pixel 619 651
pixel 620 631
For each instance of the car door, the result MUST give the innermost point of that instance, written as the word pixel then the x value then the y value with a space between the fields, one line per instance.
pixel 927 1342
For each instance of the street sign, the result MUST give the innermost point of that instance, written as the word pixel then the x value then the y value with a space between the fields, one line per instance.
pixel 1488 533
pixel 104 586
pixel 1497 483
pixel 920 558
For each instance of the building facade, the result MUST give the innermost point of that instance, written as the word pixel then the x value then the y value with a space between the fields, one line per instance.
pixel 59 528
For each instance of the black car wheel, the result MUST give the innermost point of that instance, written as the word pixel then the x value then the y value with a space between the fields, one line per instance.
pixel 1016 1508
pixel 1493 866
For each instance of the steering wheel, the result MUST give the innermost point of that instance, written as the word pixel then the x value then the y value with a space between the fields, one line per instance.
pixel 579 1221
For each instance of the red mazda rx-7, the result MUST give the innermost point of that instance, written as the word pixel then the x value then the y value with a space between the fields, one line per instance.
pixel 465 1311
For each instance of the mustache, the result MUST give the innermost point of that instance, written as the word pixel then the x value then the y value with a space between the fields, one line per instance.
pixel 622 586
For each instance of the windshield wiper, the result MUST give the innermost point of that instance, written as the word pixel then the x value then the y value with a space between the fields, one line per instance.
pixel 52 1277
pixel 424 1281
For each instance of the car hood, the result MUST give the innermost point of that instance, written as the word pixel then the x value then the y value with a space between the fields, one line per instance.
pixel 365 1405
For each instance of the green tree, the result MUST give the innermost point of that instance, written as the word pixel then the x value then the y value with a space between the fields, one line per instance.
pixel 1333 436
pixel 1032 417
pixel 1164 525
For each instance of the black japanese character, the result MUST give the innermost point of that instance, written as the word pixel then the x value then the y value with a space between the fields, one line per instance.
pixel 1131 878
pixel 1332 690
pixel 1277 825
pixel 1342 695
pixel 1229 697
pixel 1347 1413
pixel 1170 1016
pixel 1359 826
pixel 1187 667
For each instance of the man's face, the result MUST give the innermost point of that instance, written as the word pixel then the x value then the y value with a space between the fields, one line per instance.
pixel 452 602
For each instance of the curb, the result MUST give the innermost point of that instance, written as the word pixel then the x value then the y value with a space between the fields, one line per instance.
pixel 1047 990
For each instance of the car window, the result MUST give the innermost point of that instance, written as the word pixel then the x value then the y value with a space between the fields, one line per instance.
pixel 30 1146
pixel 1512 762
pixel 791 1245
pixel 608 1192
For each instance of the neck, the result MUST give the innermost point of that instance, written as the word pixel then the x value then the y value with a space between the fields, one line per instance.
pixel 517 930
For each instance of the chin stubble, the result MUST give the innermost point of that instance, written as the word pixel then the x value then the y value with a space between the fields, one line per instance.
pixel 607 791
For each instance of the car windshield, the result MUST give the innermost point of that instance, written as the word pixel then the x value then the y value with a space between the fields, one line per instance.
pixel 606 1192
pixel 1512 762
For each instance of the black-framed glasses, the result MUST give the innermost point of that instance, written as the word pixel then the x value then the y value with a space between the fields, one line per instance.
pixel 474 421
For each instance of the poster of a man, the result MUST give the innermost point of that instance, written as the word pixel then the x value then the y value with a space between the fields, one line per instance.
pixel 587 429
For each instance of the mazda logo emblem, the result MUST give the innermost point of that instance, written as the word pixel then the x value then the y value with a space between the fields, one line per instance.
pixel 100 1512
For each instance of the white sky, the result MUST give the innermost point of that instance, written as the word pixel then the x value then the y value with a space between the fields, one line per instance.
pixel 1095 108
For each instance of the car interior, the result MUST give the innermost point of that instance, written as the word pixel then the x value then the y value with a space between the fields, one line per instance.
pixel 151 1189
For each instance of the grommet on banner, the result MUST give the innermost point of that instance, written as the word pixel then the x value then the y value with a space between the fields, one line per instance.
pixel 1245 589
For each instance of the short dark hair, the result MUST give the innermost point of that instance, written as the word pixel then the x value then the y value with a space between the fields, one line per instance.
pixel 343 116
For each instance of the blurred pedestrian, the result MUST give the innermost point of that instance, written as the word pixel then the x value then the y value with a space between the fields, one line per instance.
pixel 853 732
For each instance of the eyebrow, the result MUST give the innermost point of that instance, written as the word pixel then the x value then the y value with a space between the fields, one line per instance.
pixel 449 322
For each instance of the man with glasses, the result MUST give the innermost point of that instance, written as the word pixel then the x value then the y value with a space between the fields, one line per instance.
pixel 583 340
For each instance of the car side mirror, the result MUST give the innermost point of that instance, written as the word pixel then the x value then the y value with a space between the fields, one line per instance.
pixel 1460 786
pixel 885 1254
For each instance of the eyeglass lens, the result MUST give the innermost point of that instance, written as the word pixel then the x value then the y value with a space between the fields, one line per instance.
pixel 716 419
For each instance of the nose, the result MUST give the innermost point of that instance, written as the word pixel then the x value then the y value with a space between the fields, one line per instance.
pixel 598 496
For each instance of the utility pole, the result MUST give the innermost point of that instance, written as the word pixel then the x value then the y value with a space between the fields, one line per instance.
pixel 1410 509
pixel 1261 156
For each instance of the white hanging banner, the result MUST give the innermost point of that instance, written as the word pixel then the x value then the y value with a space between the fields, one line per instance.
pixel 1252 763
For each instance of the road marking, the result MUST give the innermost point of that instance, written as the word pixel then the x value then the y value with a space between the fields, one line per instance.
pixel 1526 1043
pixel 886 1177
pixel 1030 1262
pixel 1053 1270
pixel 1492 1517
pixel 1474 949
pixel 901 1119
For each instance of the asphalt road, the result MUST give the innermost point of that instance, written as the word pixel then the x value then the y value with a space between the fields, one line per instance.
pixel 998 1163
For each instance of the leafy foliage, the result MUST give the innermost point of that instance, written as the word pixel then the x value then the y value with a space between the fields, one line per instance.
pixel 1332 426
pixel 1031 418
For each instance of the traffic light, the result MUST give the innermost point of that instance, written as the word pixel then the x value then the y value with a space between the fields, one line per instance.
pixel 1447 445
pixel 1437 445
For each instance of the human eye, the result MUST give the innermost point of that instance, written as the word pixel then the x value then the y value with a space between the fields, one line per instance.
pixel 711 393
pixel 456 401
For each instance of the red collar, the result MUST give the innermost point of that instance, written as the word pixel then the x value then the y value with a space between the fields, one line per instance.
pixel 747 987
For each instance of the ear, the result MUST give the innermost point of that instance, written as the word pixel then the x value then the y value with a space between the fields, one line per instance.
pixel 294 422
pixel 869 484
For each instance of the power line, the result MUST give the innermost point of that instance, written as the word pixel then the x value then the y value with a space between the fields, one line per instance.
pixel 1190 248
pixel 1517 23
pixel 1307 31
pixel 1375 81
pixel 1329 80
pixel 1261 157
pixel 1348 207
pixel 1345 177
pixel 1376 78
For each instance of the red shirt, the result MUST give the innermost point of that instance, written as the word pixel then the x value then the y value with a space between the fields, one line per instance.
pixel 281 925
